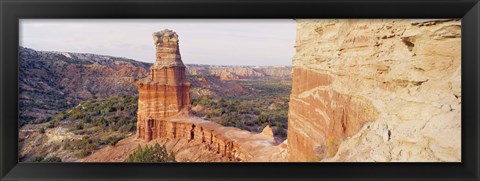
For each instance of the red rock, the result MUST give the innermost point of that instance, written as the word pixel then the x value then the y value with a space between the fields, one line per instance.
pixel 166 91
pixel 163 115
pixel 320 118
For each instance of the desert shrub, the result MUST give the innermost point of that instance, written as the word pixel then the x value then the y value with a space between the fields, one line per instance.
pixel 262 118
pixel 100 122
pixel 130 127
pixel 112 140
pixel 59 117
pixel 52 159
pixel 77 114
pixel 66 145
pixel 51 124
pixel 41 130
pixel 86 146
pixel 79 126
pixel 87 119
pixel 36 159
pixel 108 109
pixel 155 153
pixel 83 153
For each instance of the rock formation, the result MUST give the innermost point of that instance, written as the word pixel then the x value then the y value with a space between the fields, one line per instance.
pixel 166 91
pixel 50 82
pixel 163 114
pixel 194 139
pixel 376 90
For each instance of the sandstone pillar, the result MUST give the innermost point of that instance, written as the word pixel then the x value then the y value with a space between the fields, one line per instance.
pixel 166 91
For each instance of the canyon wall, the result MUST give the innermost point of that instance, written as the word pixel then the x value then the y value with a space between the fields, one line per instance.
pixel 50 82
pixel 376 90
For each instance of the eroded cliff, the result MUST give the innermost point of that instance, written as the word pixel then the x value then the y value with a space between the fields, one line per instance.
pixel 376 90
pixel 193 139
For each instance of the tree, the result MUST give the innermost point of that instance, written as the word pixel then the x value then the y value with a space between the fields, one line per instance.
pixel 155 153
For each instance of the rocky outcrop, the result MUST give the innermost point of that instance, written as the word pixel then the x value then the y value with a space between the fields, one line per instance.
pixel 376 90
pixel 166 91
pixel 194 139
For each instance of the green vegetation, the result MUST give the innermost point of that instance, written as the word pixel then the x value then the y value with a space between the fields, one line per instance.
pixel 36 159
pixel 155 153
pixel 48 160
pixel 267 105
pixel 52 159
pixel 51 125
pixel 79 126
pixel 102 121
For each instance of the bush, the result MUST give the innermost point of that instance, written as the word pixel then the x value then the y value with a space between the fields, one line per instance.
pixel 59 117
pixel 156 153
pixel 100 122
pixel 112 140
pixel 107 109
pixel 263 118
pixel 87 119
pixel 74 116
pixel 79 126
pixel 83 153
pixel 36 159
pixel 52 159
pixel 51 124
pixel 66 145
pixel 41 130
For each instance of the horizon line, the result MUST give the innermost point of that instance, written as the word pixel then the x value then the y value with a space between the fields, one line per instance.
pixel 55 51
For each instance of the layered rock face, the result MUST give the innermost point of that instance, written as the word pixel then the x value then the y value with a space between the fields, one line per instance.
pixel 193 139
pixel 166 91
pixel 376 90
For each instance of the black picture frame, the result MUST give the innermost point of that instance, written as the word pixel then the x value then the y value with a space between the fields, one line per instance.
pixel 13 10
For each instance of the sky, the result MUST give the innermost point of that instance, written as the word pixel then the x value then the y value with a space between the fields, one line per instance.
pixel 214 42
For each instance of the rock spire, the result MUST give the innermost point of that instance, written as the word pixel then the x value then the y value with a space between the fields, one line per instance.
pixel 166 91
